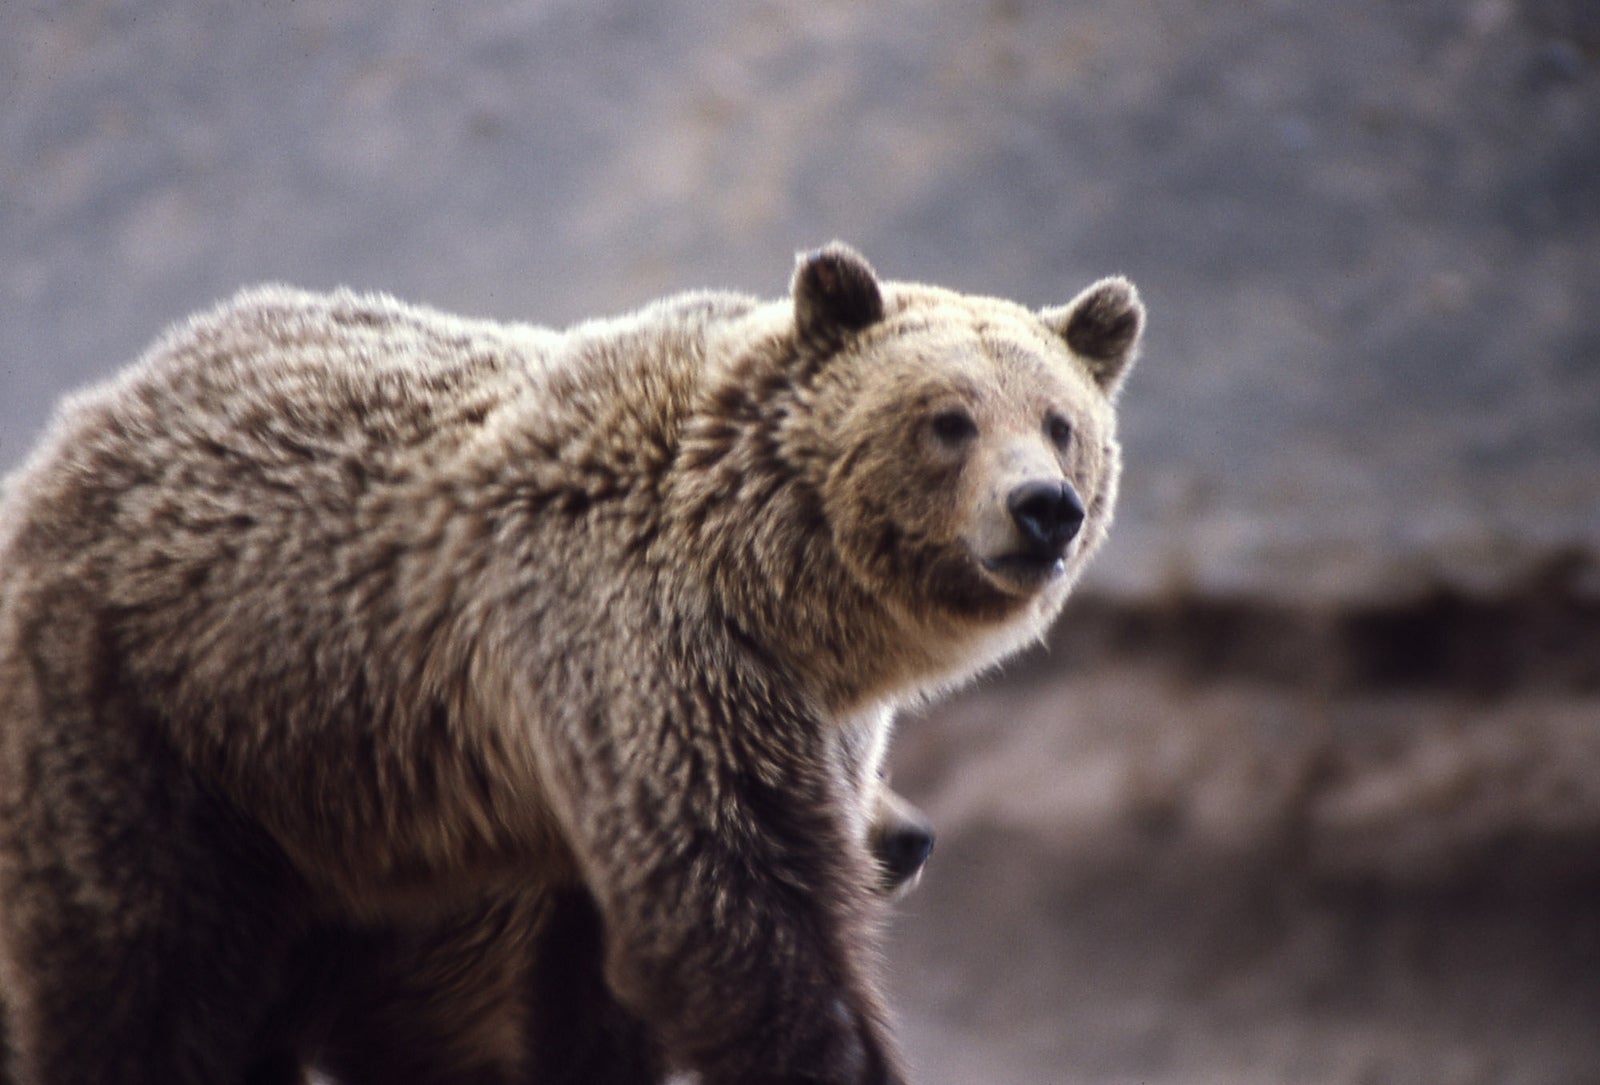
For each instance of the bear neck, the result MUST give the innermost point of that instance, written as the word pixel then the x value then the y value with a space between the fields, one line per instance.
pixel 743 508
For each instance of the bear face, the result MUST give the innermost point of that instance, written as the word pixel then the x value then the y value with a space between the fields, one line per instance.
pixel 971 462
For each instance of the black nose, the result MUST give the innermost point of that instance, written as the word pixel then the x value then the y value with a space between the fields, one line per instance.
pixel 1048 514
pixel 903 851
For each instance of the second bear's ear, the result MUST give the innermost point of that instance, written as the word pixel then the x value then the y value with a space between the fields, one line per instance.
pixel 835 291
pixel 1102 326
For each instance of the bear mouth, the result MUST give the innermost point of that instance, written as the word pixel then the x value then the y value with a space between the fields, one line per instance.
pixel 1026 571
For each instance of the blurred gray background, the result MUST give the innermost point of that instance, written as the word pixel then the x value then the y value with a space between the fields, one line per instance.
pixel 1307 788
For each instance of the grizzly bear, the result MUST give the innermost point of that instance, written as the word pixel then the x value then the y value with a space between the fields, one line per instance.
pixel 400 697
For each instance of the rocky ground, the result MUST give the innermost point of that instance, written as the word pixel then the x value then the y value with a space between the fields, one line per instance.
pixel 1305 790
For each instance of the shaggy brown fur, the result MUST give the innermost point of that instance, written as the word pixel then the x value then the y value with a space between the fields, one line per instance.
pixel 434 700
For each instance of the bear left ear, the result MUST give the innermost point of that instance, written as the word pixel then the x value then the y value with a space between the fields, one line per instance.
pixel 835 290
pixel 1102 326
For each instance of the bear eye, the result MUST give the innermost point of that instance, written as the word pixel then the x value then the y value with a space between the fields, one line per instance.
pixel 1059 430
pixel 954 426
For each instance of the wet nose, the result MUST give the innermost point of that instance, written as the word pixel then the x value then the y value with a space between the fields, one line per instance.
pixel 1048 514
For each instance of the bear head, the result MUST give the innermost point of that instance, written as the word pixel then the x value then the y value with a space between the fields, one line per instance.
pixel 964 448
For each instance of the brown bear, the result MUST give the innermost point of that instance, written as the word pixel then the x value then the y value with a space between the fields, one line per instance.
pixel 409 698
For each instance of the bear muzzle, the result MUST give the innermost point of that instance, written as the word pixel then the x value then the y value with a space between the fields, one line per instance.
pixel 1046 516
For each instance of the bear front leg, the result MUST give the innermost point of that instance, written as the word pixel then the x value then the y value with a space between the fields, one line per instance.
pixel 737 905
pixel 750 974
pixel 577 1032
pixel 439 1002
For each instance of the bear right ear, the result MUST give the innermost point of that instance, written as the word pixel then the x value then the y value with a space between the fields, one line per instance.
pixel 1102 326
pixel 835 291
